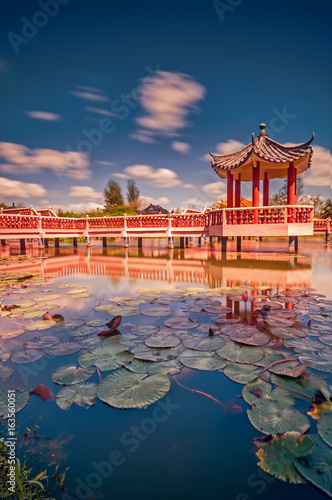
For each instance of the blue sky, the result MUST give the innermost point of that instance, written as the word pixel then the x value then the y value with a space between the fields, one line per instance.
pixel 97 90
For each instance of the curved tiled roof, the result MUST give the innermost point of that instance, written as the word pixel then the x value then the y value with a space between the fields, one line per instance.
pixel 265 149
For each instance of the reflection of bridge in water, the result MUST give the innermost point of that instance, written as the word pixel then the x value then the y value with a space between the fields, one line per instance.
pixel 192 265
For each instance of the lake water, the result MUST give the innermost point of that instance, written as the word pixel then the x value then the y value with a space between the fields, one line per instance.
pixel 186 445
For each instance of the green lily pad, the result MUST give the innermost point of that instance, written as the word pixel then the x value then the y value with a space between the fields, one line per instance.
pixel 276 456
pixel 257 339
pixel 82 331
pixel 125 311
pixel 21 399
pixel 139 366
pixel 258 390
pixel 124 389
pixel 67 285
pixel 41 342
pixel 309 384
pixel 145 329
pixel 154 354
pixel 166 367
pixel 74 291
pixel 83 395
pixel 148 290
pixel 324 428
pixel 288 368
pixel 162 342
pixel 269 418
pixel 44 324
pixel 63 349
pixel 11 334
pixel 6 372
pixel 202 360
pixel 97 322
pixel 107 357
pixel 317 467
pixel 240 354
pixel 180 323
pixel 287 333
pixel 69 324
pixel 81 295
pixel 51 296
pixel 70 374
pixel 206 344
pixel 241 373
pixel 27 356
pixel 157 311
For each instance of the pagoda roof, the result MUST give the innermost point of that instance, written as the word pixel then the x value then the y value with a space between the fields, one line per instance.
pixel 274 158
pixel 153 210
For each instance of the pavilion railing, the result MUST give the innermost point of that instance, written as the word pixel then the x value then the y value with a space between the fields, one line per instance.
pixel 279 214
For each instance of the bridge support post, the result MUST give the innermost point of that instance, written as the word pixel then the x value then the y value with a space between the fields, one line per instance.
pixel 74 242
pixel 224 244
pixel 181 242
pixel 40 243
pixel 22 245
pixel 30 241
pixel 87 241
pixel 327 237
pixel 46 242
pixel 3 242
pixel 104 242
pixel 125 242
pixel 170 242
pixel 140 242
pixel 56 242
pixel 238 243
pixel 293 244
pixel 191 242
pixel 199 241
pixel 187 241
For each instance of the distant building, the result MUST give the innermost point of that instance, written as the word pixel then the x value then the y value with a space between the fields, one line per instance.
pixel 153 210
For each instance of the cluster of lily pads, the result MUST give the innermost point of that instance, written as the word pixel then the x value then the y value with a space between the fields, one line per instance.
pixel 281 353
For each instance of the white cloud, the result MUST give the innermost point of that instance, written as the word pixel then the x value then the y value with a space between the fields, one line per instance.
pixel 214 189
pixel 17 158
pixel 100 111
pixel 108 163
pixel 89 96
pixel 189 186
pixel 181 147
pixel 17 190
pixel 85 192
pixel 43 115
pixel 225 148
pixel 320 172
pixel 197 202
pixel 141 138
pixel 159 178
pixel 82 207
pixel 146 200
pixel 167 99
pixel 94 90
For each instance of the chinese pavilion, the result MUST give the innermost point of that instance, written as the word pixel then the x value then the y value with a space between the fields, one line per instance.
pixel 262 159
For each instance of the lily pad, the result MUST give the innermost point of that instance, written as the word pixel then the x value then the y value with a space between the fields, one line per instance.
pixel 287 333
pixel 70 323
pixel 154 354
pixel 27 356
pixel 6 372
pixel 241 373
pixel 11 334
pixel 202 360
pixel 41 342
pixel 258 390
pixel 157 311
pixel 40 325
pixel 257 339
pixel 63 349
pixel 124 389
pixel 317 467
pixel 240 354
pixel 83 395
pixel 97 322
pixel 142 330
pixel 21 399
pixel 309 384
pixel 125 311
pixel 82 331
pixel 324 428
pixel 206 344
pixel 139 366
pixel 166 367
pixel 107 357
pixel 276 456
pixel 51 296
pixel 70 374
pixel 161 342
pixel 181 323
pixel 269 418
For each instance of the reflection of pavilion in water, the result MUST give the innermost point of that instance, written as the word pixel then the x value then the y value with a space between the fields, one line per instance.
pixel 192 265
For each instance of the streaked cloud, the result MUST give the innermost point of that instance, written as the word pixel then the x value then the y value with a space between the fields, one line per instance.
pixel 108 163
pixel 147 200
pixel 17 190
pixel 167 99
pixel 100 111
pixel 181 147
pixel 225 148
pixel 159 178
pixel 44 115
pixel 90 96
pixel 18 159
pixel 86 192
pixel 142 138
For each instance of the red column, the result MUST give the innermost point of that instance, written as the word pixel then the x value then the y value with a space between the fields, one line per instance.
pixel 255 185
pixel 265 190
pixel 229 190
pixel 291 185
pixel 238 191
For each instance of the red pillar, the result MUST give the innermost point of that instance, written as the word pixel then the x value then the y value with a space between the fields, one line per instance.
pixel 238 191
pixel 266 190
pixel 229 190
pixel 291 185
pixel 255 185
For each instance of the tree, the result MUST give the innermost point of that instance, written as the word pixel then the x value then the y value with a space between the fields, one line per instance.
pixel 112 195
pixel 280 198
pixel 326 212
pixel 3 205
pixel 132 193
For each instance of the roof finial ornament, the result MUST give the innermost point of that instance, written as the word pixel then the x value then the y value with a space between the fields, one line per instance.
pixel 262 129
pixel 253 139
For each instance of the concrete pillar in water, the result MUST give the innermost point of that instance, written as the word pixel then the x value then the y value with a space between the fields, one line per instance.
pixel 187 241
pixel 104 242
pixel 3 242
pixel 125 242
pixel 191 242
pixel 199 241
pixel 181 242
pixel 140 242
pixel 22 245
pixel 46 242
pixel 238 243
pixel 56 242
pixel 87 241
pixel 40 243
pixel 293 244
pixel 170 242
pixel 224 244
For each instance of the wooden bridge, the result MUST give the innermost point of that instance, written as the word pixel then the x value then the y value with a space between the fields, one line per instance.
pixel 281 220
